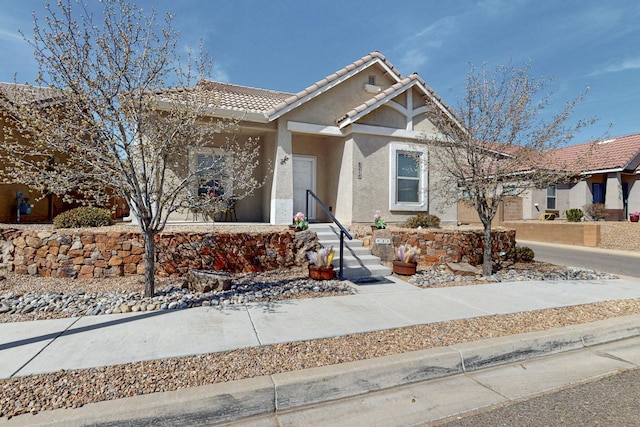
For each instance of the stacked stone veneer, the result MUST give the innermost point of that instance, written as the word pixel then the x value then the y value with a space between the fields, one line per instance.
pixel 440 246
pixel 86 254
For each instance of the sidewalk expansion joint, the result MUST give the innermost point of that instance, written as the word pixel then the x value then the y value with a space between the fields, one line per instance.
pixel 43 348
pixel 253 325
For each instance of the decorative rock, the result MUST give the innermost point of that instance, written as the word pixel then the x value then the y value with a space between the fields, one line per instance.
pixel 124 308
pixel 205 281
pixel 463 269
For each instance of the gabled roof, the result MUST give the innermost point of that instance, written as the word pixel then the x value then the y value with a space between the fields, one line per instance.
pixel 332 80
pixel 617 154
pixel 268 105
pixel 390 93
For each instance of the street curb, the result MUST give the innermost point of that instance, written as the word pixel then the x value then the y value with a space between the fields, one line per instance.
pixel 224 402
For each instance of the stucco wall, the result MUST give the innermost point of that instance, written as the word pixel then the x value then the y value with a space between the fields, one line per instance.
pixel 250 209
pixel 330 105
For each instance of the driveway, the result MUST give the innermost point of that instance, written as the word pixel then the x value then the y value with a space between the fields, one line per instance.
pixel 623 263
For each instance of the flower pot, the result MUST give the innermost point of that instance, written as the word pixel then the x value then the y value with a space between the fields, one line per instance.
pixel 404 268
pixel 294 228
pixel 321 273
pixel 634 218
pixel 374 228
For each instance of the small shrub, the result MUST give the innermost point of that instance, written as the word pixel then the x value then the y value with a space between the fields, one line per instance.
pixel 574 215
pixel 520 254
pixel 596 211
pixel 423 220
pixel 85 216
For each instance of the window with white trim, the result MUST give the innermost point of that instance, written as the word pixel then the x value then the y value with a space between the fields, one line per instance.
pixel 407 178
pixel 551 197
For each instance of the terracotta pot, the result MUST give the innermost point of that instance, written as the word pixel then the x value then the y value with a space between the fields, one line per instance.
pixel 321 273
pixel 634 218
pixel 404 268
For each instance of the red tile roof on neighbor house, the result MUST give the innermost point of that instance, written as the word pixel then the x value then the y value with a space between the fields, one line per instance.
pixel 620 153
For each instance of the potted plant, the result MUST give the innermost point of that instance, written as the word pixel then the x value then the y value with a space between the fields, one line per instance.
pixel 378 221
pixel 634 216
pixel 407 260
pixel 320 264
pixel 299 222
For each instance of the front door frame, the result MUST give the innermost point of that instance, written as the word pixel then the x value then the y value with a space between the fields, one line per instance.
pixel 313 160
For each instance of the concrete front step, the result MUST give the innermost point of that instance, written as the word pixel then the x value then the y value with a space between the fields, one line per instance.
pixel 357 260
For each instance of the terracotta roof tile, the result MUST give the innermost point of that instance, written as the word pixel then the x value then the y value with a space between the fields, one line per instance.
pixel 242 98
pixel 621 153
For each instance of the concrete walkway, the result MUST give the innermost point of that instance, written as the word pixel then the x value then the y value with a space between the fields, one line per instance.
pixel 50 345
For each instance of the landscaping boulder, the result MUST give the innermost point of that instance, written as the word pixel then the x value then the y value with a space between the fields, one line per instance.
pixel 205 281
pixel 463 269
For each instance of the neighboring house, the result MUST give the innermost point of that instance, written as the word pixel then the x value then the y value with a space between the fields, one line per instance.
pixel 608 173
pixel 352 138
pixel 44 207
pixel 40 207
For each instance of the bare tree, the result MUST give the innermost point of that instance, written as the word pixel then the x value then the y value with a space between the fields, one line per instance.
pixel 125 114
pixel 499 143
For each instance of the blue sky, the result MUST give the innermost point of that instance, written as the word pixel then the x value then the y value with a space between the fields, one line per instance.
pixel 288 45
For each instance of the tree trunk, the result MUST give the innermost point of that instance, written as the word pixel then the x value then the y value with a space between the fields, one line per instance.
pixel 487 254
pixel 149 264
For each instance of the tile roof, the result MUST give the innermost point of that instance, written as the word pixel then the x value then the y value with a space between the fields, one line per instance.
pixel 272 104
pixel 619 153
pixel 243 98
pixel 14 92
pixel 391 92
pixel 319 85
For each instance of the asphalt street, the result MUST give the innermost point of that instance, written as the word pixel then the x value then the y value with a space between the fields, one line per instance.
pixel 608 401
pixel 615 262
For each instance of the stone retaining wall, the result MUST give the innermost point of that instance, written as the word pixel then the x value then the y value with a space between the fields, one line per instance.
pixel 442 245
pixel 87 254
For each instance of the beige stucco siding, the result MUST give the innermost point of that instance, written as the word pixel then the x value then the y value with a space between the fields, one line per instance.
pixel 329 106
pixel 371 188
pixel 385 116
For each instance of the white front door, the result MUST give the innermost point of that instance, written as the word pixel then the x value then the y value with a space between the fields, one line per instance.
pixel 304 178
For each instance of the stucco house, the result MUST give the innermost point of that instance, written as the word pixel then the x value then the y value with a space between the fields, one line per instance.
pixel 44 207
pixel 34 206
pixel 609 175
pixel 353 138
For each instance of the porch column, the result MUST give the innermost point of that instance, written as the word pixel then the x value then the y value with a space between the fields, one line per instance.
pixel 281 211
pixel 613 201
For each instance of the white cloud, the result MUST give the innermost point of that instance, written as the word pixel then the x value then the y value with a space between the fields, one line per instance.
pixel 623 65
pixel 219 74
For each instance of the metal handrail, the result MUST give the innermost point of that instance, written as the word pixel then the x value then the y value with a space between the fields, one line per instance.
pixel 343 231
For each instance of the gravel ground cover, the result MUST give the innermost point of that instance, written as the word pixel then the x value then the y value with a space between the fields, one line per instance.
pixel 70 389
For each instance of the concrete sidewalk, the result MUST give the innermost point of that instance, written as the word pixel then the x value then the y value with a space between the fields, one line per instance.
pixel 77 343
pixel 48 346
